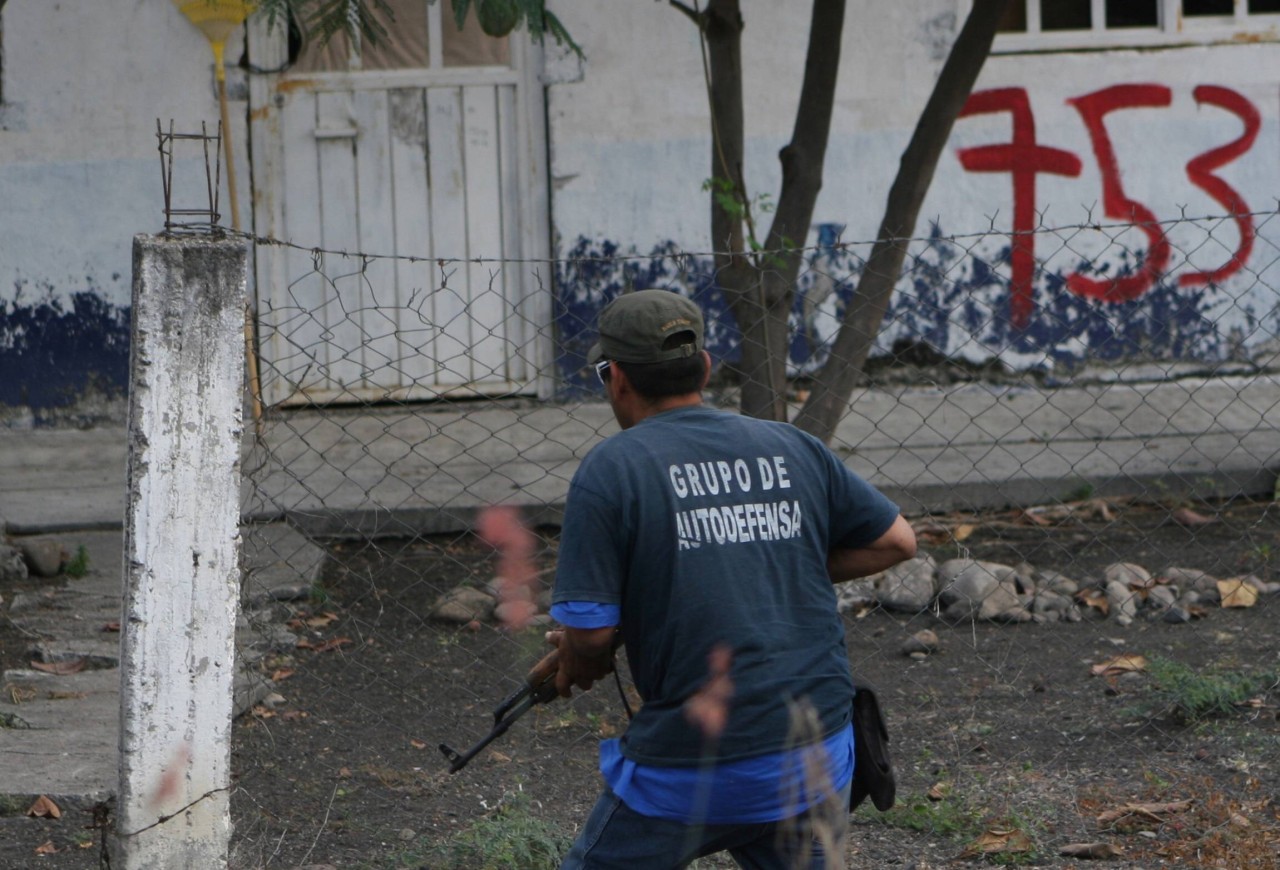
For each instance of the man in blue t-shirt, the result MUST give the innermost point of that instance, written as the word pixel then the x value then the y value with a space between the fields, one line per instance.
pixel 708 543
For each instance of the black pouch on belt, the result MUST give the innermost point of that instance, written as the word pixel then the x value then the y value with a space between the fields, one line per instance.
pixel 873 768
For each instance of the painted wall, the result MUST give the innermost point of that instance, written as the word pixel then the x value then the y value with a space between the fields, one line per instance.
pixel 1047 141
pixel 83 86
pixel 1050 140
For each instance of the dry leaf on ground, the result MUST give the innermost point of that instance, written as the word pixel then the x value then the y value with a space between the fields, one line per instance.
pixel 1188 517
pixel 1237 593
pixel 1120 665
pixel 61 669
pixel 1090 850
pixel 998 841
pixel 44 808
pixel 1150 811
pixel 1095 599
pixel 326 645
pixel 47 848
pixel 318 621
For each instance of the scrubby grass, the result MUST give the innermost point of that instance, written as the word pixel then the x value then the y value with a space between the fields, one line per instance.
pixel 1192 695
pixel 509 838
pixel 78 565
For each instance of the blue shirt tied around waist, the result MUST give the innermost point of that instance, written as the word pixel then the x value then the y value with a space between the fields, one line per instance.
pixel 698 528
pixel 766 788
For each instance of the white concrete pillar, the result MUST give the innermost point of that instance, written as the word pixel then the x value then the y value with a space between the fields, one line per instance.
pixel 181 552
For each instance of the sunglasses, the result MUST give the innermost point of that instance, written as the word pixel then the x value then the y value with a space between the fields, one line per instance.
pixel 602 369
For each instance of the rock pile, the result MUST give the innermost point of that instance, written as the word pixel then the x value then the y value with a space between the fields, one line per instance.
pixel 472 605
pixel 957 590
pixel 966 589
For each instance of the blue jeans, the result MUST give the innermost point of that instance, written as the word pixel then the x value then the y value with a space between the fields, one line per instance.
pixel 616 837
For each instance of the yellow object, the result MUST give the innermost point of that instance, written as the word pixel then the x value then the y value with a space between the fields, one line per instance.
pixel 217 20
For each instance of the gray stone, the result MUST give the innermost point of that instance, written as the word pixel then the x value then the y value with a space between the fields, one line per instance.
pixel 1162 597
pixel 969 579
pixel 1025 575
pixel 273 639
pixel 1047 601
pixel 923 642
pixel 463 604
pixel 986 590
pixel 856 594
pixel 1191 579
pixel 1058 582
pixel 1177 614
pixel 13 568
pixel 289 592
pixel 1263 587
pixel 960 610
pixel 1123 601
pixel 908 586
pixel 44 557
pixel 1131 575
pixel 23 603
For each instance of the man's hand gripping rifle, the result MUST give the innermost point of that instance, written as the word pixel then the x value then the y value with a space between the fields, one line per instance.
pixel 581 669
pixel 539 688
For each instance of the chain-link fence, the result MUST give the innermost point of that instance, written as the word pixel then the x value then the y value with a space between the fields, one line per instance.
pixel 1085 445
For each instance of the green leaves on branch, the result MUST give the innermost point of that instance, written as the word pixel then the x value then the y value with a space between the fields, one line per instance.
pixel 500 17
pixel 732 200
pixel 369 20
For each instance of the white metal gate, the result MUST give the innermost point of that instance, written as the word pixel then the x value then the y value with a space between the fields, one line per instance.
pixel 430 147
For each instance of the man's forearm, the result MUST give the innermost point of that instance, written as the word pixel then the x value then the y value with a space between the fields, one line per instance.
pixel 586 655
pixel 896 545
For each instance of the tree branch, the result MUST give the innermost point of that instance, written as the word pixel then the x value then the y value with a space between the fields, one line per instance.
pixel 866 310
pixel 693 14
pixel 803 157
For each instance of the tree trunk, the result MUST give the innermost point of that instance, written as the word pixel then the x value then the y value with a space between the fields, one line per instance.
pixel 830 397
pixel 721 26
pixel 760 293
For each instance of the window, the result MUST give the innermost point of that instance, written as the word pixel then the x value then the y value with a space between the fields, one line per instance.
pixel 1036 25
pixel 419 29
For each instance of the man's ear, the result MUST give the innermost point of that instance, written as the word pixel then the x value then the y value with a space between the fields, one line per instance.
pixel 623 384
pixel 706 370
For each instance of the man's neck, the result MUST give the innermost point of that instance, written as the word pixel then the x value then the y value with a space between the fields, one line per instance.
pixel 669 403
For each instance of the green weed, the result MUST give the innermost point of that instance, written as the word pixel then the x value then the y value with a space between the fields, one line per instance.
pixel 1192 696
pixel 78 565
pixel 510 838
pixel 1082 492
pixel 950 817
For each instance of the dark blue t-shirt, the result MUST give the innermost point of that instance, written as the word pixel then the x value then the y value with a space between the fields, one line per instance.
pixel 706 527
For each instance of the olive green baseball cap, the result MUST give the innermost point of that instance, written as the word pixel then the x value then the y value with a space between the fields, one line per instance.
pixel 648 326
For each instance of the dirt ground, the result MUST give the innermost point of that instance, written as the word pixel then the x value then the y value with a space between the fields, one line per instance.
pixel 1008 748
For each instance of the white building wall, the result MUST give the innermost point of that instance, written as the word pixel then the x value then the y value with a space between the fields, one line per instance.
pixel 630 149
pixel 80 174
pixel 84 84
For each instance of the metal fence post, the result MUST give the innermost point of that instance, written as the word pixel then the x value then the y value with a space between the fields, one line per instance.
pixel 181 548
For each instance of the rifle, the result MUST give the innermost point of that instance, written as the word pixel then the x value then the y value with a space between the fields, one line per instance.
pixel 539 688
